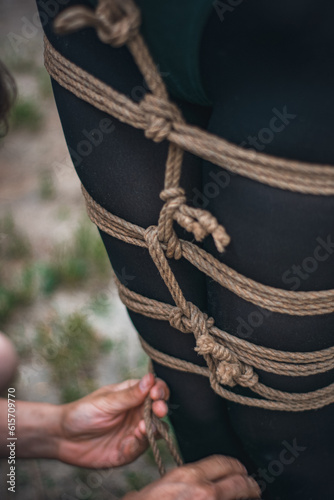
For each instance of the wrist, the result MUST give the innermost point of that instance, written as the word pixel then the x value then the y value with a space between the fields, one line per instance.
pixel 38 429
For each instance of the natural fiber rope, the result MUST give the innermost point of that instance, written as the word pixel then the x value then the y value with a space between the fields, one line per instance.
pixel 152 423
pixel 274 299
pixel 230 360
pixel 276 172
pixel 264 358
pixel 295 402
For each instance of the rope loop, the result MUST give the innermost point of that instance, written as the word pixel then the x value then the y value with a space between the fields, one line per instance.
pixel 238 373
pixel 116 22
pixel 200 322
pixel 178 320
pixel 160 115
pixel 230 370
pixel 202 223
pixel 174 198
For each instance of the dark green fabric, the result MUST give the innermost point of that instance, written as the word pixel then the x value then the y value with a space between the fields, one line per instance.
pixel 173 31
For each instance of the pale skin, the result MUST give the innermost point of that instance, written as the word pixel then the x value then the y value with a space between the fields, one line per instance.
pixel 106 429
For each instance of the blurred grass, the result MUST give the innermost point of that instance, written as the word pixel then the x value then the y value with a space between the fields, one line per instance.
pixel 26 114
pixel 20 291
pixel 100 305
pixel 71 348
pixel 20 62
pixel 82 259
pixel 47 189
pixel 14 243
pixel 44 83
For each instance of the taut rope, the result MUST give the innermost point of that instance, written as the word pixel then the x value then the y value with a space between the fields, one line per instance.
pixel 230 360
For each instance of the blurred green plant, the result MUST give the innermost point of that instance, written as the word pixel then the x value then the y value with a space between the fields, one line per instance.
pixel 21 62
pixel 47 190
pixel 44 82
pixel 71 348
pixel 21 340
pixel 14 244
pixel 20 291
pixel 26 114
pixel 100 304
pixel 88 245
pixel 82 258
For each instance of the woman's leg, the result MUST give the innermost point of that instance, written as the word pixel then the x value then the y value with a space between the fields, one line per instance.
pixel 268 68
pixel 124 173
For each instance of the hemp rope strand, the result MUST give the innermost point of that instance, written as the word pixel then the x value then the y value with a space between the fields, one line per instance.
pixel 301 177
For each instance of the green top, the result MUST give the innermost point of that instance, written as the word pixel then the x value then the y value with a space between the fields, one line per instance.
pixel 173 30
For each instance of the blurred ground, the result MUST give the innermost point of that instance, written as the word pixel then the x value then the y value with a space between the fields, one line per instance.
pixel 54 273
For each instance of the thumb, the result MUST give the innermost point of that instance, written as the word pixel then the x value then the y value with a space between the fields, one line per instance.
pixel 133 395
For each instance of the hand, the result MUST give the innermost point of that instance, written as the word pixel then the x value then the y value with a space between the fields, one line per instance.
pixel 214 478
pixel 106 428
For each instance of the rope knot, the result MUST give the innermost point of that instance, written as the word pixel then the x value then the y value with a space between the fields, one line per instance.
pixel 207 345
pixel 209 225
pixel 229 369
pixel 160 115
pixel 234 373
pixel 116 22
pixel 177 320
pixel 228 373
pixel 200 322
pixel 201 223
pixel 174 198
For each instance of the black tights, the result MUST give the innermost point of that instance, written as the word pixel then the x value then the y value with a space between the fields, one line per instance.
pixel 269 72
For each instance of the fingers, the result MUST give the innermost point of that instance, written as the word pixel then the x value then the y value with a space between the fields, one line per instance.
pixel 132 393
pixel 237 487
pixel 215 468
pixel 122 385
pixel 132 447
pixel 159 390
pixel 160 408
pixel 142 429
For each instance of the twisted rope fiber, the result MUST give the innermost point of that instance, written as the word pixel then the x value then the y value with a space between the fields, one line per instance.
pixel 230 361
pixel 273 299
pixel 265 358
pixel 285 174
pixel 152 422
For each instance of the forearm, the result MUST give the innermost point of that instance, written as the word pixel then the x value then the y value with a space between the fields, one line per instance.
pixel 38 429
